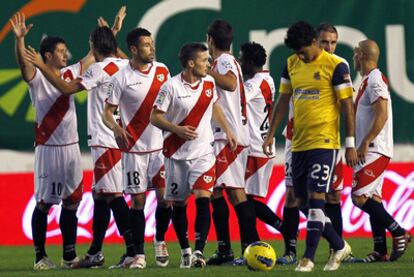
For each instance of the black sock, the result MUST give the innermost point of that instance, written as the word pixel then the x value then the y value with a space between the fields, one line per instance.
pixel 101 217
pixel 379 236
pixel 265 214
pixel 290 229
pixel 180 223
pixel 221 216
pixel 137 224
pixel 39 226
pixel 202 222
pixel 333 211
pixel 247 223
pixel 120 211
pixel 68 226
pixel 162 219
pixel 377 210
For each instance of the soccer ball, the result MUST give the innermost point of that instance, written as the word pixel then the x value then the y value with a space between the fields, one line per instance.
pixel 260 256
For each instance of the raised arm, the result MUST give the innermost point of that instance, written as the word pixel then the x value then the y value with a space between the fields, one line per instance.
pixel 347 109
pixel 20 30
pixel 219 118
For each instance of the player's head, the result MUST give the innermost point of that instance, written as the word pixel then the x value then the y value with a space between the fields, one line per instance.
pixel 54 52
pixel 194 57
pixel 252 58
pixel 141 45
pixel 220 35
pixel 327 37
pixel 366 53
pixel 103 42
pixel 301 37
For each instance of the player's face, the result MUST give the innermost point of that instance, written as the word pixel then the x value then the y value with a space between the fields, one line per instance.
pixel 328 41
pixel 59 57
pixel 145 50
pixel 357 58
pixel 308 53
pixel 201 64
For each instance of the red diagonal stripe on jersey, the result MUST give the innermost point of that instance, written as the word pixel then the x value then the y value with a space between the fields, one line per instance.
pixel 242 95
pixel 370 172
pixel 141 118
pixel 225 158
pixel 173 142
pixel 267 95
pixel 105 163
pixel 206 180
pixel 111 68
pixel 253 165
pixel 361 90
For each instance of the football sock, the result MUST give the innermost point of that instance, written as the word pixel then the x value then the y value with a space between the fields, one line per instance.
pixel 120 211
pixel 39 225
pixel 202 222
pixel 333 211
pixel 247 223
pixel 137 222
pixel 377 210
pixel 379 236
pixel 329 233
pixel 180 223
pixel 101 217
pixel 68 222
pixel 162 218
pixel 290 229
pixel 221 223
pixel 315 226
pixel 265 214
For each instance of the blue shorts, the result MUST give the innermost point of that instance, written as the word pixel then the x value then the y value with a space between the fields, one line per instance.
pixel 312 171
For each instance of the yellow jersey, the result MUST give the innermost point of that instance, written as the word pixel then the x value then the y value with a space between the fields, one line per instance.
pixel 316 89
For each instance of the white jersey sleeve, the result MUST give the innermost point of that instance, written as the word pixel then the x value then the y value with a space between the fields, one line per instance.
pixel 116 88
pixel 164 97
pixel 91 78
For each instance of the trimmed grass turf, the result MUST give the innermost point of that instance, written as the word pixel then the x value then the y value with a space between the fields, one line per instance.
pixel 18 261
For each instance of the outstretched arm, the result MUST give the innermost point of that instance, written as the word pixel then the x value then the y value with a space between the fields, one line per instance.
pixel 20 30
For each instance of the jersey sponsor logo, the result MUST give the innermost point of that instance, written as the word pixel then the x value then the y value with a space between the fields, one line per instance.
pixel 161 77
pixel 306 94
pixel 207 178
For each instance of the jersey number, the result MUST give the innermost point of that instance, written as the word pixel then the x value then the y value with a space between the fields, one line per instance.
pixel 56 188
pixel 174 187
pixel 316 168
pixel 133 178
pixel 265 124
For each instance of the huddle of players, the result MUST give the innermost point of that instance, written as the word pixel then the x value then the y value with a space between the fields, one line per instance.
pixel 200 156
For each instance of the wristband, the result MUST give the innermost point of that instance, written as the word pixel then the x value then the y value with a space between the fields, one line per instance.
pixel 350 142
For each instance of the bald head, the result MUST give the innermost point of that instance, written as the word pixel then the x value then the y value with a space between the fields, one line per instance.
pixel 370 50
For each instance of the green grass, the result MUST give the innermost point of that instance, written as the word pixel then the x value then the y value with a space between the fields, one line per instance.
pixel 18 261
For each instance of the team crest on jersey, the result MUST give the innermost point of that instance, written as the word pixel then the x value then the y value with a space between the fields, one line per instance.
pixel 208 92
pixel 207 178
pixel 369 173
pixel 161 77
pixel 317 75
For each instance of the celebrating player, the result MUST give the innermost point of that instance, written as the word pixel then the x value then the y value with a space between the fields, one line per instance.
pixel 184 109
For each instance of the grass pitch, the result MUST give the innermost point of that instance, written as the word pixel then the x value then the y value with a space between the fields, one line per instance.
pixel 18 261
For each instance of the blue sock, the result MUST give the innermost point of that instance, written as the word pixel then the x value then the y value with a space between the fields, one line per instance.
pixel 315 226
pixel 329 233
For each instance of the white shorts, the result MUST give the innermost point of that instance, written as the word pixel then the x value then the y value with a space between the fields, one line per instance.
pixel 258 172
pixel 368 178
pixel 288 163
pixel 338 175
pixel 183 176
pixel 230 166
pixel 58 173
pixel 107 171
pixel 142 172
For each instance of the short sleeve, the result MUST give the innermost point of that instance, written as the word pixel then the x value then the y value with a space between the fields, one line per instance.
pixel 163 100
pixel 215 94
pixel 285 84
pixel 225 64
pixel 378 88
pixel 114 89
pixel 341 81
pixel 90 79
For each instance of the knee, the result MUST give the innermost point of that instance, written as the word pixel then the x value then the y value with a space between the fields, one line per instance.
pixel 138 202
pixel 217 193
pixel 237 196
pixel 43 207
pixel 334 197
pixel 161 202
pixel 69 204
pixel 359 200
pixel 291 200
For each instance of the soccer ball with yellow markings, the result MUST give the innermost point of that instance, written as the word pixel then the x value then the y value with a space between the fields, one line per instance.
pixel 260 256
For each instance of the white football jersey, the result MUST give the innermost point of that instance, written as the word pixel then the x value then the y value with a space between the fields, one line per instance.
pixel 374 86
pixel 188 104
pixel 135 92
pixel 260 92
pixel 233 103
pixel 97 80
pixel 56 122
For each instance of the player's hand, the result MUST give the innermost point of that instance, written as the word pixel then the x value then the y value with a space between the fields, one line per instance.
pixel 18 23
pixel 362 152
pixel 186 132
pixel 33 57
pixel 351 157
pixel 102 22
pixel 119 19
pixel 267 146
pixel 122 137
pixel 232 140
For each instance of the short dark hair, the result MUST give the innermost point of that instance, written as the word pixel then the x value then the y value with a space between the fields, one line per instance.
pixel 103 40
pixel 300 34
pixel 326 27
pixel 222 34
pixel 133 36
pixel 255 53
pixel 189 51
pixel 48 44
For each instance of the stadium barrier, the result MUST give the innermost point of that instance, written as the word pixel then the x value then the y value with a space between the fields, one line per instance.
pixel 18 203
